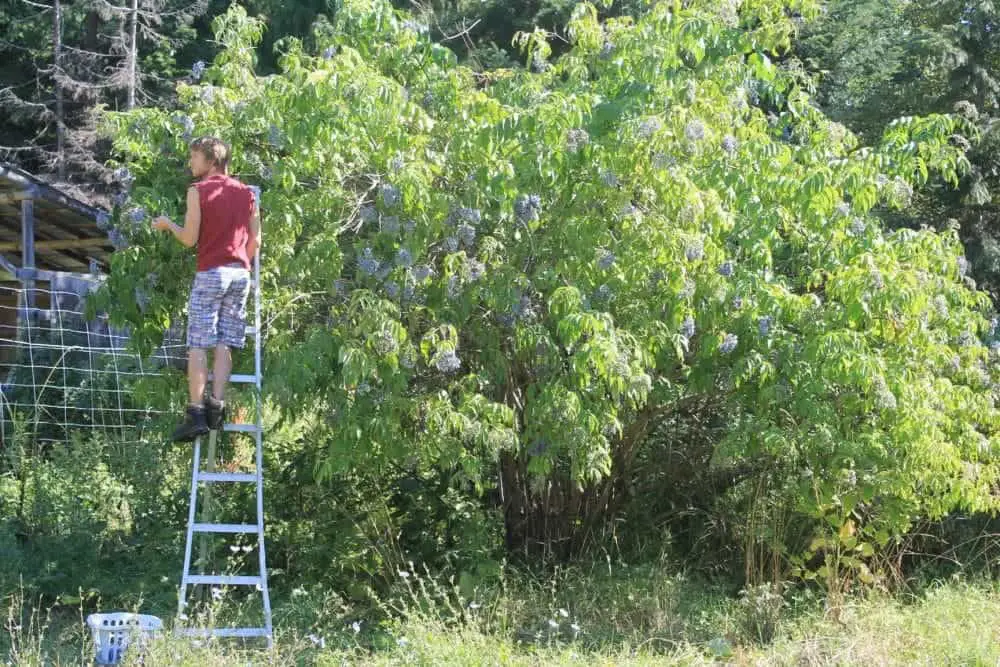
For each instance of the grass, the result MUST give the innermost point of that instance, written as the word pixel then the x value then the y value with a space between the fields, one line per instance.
pixel 626 616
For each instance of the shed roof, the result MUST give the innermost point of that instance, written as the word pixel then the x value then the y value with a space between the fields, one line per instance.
pixel 67 235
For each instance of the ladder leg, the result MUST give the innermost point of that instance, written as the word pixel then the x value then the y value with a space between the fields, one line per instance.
pixel 262 559
pixel 182 598
pixel 208 504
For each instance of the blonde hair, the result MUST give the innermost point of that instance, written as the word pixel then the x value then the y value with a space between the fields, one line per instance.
pixel 215 151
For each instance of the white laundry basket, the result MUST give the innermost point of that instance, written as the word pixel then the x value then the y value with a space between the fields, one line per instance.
pixel 114 631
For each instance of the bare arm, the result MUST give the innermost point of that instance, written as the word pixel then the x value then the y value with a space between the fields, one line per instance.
pixel 188 234
pixel 254 243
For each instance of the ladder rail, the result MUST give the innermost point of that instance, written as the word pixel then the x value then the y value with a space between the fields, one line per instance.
pixel 182 599
pixel 259 439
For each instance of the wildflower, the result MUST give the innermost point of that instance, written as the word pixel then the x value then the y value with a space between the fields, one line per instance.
pixel 730 144
pixel 877 279
pixel 902 191
pixel 728 343
pixel 966 109
pixel 404 258
pixel 687 327
pixel 885 400
pixel 274 136
pixel 385 343
pixel 368 213
pixel 467 234
pixel 329 52
pixel 649 127
pixel 448 362
pixel 941 305
pixel 576 139
pixel 390 224
pixel 726 270
pixel 123 175
pixel 137 215
pixel 527 208
pixel 524 309
pixel 391 196
pixel 695 130
pixel 368 263
pixel 422 273
pixel 197 70
pixel 764 325
pixel 606 261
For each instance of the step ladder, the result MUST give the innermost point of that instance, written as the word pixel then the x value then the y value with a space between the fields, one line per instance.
pixel 210 477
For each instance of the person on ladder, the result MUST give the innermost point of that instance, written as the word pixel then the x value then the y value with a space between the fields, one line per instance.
pixel 223 220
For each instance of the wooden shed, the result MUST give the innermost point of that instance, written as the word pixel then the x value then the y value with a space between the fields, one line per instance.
pixel 52 247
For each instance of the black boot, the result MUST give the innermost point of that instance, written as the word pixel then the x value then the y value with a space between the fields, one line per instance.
pixel 193 425
pixel 215 413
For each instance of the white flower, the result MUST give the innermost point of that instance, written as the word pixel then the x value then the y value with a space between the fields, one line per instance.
pixel 564 613
pixel 356 626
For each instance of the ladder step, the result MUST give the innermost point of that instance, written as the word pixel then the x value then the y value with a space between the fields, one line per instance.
pixel 227 477
pixel 237 378
pixel 241 428
pixel 224 527
pixel 221 580
pixel 223 632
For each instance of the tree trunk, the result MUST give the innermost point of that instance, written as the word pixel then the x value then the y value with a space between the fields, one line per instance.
pixel 133 54
pixel 56 75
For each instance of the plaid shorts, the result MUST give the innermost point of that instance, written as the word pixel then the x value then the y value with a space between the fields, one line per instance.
pixel 217 310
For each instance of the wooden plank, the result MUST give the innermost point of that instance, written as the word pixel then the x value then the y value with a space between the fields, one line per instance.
pixel 28 247
pixel 59 244
pixel 14 197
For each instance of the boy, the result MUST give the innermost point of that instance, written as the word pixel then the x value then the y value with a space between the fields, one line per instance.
pixel 222 219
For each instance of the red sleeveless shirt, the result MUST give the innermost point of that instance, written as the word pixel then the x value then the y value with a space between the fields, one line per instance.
pixel 226 209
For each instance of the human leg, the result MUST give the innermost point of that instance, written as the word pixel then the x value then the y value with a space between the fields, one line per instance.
pixel 232 333
pixel 203 318
pixel 223 369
